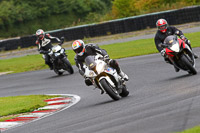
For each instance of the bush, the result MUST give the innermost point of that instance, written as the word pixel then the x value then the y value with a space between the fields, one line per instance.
pixel 21 17
pixel 121 8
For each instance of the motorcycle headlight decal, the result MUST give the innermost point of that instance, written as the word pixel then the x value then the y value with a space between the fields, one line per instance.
pixel 62 51
pixel 51 53
pixel 54 50
pixel 175 47
pixel 57 54
pixel 100 67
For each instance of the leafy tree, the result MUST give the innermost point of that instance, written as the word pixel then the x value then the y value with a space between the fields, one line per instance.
pixel 18 13
pixel 126 8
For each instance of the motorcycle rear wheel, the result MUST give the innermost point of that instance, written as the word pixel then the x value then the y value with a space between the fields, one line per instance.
pixel 192 70
pixel 110 90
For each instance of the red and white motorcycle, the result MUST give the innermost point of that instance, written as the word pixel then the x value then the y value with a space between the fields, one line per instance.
pixel 180 54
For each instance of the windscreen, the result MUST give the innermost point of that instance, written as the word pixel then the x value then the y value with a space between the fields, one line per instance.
pixel 170 40
pixel 90 62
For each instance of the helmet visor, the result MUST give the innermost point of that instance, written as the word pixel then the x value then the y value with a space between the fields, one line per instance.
pixel 78 50
pixel 40 36
pixel 162 27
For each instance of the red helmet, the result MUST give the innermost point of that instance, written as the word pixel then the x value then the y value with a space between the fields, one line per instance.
pixel 162 25
pixel 79 47
pixel 40 34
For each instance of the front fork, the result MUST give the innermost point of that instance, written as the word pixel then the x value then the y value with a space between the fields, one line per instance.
pixel 177 57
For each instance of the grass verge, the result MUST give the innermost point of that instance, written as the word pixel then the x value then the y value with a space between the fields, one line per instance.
pixel 117 50
pixel 20 104
pixel 192 130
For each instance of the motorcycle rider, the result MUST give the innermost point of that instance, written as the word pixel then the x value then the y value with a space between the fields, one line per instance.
pixel 163 31
pixel 82 51
pixel 44 45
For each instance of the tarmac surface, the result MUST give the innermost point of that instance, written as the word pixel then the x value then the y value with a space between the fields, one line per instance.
pixel 160 100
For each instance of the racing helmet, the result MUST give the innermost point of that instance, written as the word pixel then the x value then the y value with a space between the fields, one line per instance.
pixel 79 47
pixel 162 25
pixel 40 34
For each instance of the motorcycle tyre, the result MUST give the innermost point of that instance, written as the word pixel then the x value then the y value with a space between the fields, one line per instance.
pixel 58 72
pixel 107 87
pixel 192 70
pixel 68 66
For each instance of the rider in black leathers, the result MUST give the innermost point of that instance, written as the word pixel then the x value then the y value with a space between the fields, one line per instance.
pixel 44 45
pixel 82 51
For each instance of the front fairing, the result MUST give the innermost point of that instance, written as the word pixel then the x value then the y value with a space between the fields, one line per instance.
pixel 175 48
pixel 56 48
pixel 90 62
pixel 56 52
pixel 96 69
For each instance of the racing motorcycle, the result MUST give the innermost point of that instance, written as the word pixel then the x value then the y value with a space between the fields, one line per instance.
pixel 179 54
pixel 104 77
pixel 59 59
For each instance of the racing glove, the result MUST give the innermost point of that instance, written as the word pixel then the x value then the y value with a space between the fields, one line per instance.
pixel 163 53
pixel 106 58
pixel 185 39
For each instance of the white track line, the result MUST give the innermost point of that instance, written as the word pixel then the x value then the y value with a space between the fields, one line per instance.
pixel 37 115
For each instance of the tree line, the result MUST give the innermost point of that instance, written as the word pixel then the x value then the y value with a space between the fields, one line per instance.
pixel 19 17
pixel 126 8
pixel 24 17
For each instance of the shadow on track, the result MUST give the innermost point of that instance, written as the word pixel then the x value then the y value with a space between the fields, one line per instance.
pixel 59 76
pixel 111 101
pixel 180 77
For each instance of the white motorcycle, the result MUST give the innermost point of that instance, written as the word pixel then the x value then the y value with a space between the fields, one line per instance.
pixel 104 77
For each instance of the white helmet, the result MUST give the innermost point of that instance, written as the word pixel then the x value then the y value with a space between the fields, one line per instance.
pixel 40 34
pixel 79 47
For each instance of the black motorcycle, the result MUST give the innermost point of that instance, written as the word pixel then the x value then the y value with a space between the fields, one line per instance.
pixel 59 60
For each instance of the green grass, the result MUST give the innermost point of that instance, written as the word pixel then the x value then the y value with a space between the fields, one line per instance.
pixel 21 104
pixel 117 50
pixel 192 130
pixel 132 48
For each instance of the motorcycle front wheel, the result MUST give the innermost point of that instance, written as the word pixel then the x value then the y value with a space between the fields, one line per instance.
pixel 58 72
pixel 187 63
pixel 112 92
pixel 68 66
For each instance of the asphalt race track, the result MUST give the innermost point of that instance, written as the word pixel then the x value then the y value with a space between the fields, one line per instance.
pixel 160 101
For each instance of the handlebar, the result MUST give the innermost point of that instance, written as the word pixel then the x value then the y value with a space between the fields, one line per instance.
pixel 62 41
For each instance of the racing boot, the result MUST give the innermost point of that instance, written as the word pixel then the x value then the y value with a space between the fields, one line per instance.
pixel 189 44
pixel 195 56
pixel 88 82
pixel 50 66
pixel 123 75
pixel 176 69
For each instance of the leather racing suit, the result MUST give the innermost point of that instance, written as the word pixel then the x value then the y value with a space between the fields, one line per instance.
pixel 92 49
pixel 44 45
